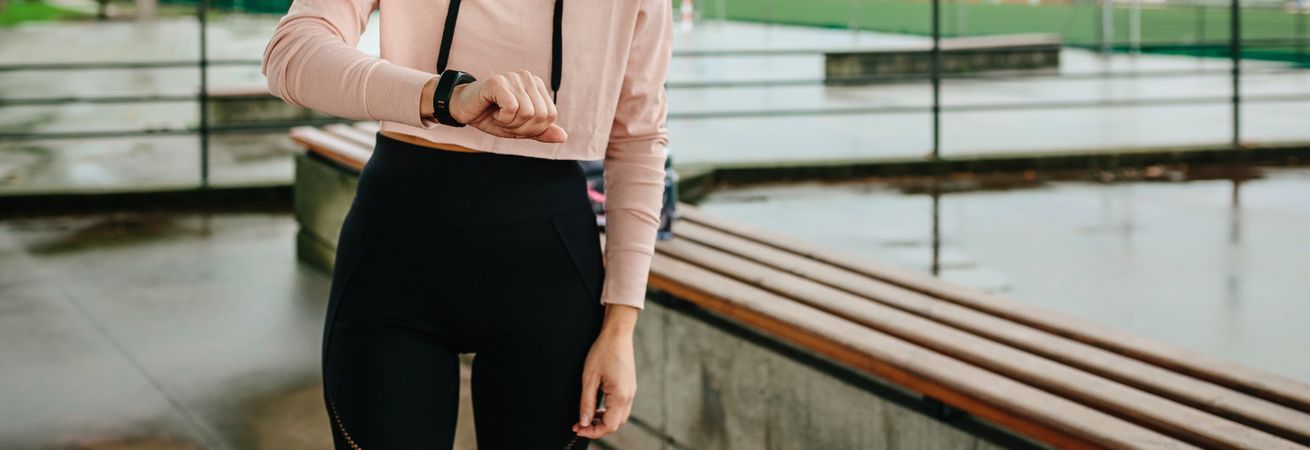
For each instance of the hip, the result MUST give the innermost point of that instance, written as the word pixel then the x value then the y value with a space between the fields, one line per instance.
pixel 467 189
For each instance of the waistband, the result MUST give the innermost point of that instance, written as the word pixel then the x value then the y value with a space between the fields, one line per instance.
pixel 465 189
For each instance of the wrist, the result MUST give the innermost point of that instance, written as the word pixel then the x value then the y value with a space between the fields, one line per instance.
pixel 444 97
pixel 620 320
pixel 456 100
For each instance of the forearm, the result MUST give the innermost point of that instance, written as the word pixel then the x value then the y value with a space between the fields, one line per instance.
pixel 306 63
pixel 634 193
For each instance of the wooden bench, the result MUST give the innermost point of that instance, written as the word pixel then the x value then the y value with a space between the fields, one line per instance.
pixel 1049 377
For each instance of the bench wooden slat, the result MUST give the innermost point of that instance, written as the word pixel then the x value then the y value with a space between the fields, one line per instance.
pixel 1025 409
pixel 1252 411
pixel 369 127
pixel 1262 384
pixel 343 151
pixel 353 134
pixel 1117 399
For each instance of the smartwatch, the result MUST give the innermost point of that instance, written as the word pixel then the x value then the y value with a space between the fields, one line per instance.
pixel 441 97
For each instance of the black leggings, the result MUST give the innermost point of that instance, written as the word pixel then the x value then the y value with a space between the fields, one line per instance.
pixel 445 253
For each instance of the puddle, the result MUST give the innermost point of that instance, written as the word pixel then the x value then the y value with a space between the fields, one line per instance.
pixel 1208 259
pixel 156 443
pixel 18 163
pixel 71 234
pixel 962 182
pixel 142 163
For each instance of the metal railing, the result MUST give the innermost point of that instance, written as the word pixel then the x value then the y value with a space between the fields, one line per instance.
pixel 1233 48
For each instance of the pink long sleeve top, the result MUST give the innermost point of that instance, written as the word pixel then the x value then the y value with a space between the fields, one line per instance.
pixel 611 99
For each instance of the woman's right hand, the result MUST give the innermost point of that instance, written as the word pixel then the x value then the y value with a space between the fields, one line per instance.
pixel 512 104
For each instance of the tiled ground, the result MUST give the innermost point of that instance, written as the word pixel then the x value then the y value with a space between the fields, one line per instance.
pixel 144 331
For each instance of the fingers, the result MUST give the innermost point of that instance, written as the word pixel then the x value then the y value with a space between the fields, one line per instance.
pixel 541 117
pixel 615 413
pixel 520 84
pixel 553 134
pixel 523 108
pixel 587 407
pixel 546 96
pixel 517 103
pixel 500 91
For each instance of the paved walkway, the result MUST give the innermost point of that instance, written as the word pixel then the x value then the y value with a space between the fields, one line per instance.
pixel 160 331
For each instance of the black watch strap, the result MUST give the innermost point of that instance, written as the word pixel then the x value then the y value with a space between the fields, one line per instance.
pixel 441 97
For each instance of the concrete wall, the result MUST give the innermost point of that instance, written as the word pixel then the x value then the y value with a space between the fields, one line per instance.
pixel 708 383
pixel 323 193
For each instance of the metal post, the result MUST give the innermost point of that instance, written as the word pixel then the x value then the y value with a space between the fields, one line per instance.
pixel 1107 25
pixel 1235 202
pixel 1135 27
pixel 1232 259
pixel 201 6
pixel 1301 12
pixel 855 18
pixel 936 79
pixel 936 267
pixel 961 16
pixel 1098 25
pixel 1235 49
pixel 953 19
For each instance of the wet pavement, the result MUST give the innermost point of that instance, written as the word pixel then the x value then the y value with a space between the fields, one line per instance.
pixel 1180 262
pixel 143 331
pixel 699 133
pixel 182 331
pixel 143 163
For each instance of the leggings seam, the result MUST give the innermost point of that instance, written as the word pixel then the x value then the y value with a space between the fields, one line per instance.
pixel 337 420
pixel 348 268
pixel 573 259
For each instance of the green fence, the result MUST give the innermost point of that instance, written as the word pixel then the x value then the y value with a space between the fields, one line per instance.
pixel 1269 31
pixel 252 6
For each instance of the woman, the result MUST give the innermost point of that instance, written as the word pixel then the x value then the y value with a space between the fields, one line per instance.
pixel 480 238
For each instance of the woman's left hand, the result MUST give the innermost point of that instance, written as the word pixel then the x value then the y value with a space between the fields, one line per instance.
pixel 609 369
